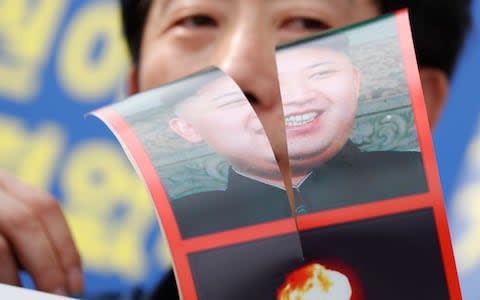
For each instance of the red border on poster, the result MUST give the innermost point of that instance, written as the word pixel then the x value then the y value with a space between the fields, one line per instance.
pixel 427 150
pixel 147 170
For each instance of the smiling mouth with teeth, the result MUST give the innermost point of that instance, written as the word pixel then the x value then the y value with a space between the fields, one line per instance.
pixel 299 120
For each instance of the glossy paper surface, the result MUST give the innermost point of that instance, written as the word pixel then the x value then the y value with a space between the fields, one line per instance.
pixel 368 222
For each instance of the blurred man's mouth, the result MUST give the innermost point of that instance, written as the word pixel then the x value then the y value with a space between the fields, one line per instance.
pixel 301 119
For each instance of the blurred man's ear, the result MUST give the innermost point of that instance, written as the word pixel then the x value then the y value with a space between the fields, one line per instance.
pixel 435 91
pixel 133 87
pixel 185 130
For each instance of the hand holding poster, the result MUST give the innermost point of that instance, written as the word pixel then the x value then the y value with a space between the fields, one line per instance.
pixel 368 219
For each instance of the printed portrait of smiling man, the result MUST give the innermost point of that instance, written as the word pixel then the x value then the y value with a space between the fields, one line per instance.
pixel 320 90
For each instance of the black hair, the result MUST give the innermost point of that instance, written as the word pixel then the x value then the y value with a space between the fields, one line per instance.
pixel 134 15
pixel 439 27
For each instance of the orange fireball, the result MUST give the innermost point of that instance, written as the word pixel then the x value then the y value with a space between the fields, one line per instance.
pixel 315 282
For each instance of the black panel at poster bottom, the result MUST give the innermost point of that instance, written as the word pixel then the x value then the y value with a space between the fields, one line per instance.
pixel 387 258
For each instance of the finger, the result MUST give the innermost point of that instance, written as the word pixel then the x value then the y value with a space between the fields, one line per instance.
pixel 31 245
pixel 8 265
pixel 50 214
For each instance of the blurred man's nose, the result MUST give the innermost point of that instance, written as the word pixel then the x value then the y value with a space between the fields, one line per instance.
pixel 247 54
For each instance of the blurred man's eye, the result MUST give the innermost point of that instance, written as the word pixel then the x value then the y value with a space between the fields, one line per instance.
pixel 305 24
pixel 197 21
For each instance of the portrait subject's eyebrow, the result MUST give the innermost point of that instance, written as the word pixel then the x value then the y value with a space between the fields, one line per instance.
pixel 231 102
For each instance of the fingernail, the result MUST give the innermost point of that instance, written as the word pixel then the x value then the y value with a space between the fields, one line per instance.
pixel 60 292
pixel 75 280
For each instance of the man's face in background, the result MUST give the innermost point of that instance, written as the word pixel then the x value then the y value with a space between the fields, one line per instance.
pixel 238 36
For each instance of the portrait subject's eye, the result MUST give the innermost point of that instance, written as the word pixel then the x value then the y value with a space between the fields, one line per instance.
pixel 232 103
pixel 321 74
pixel 197 21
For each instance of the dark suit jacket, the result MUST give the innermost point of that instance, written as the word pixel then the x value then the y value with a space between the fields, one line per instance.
pixel 351 177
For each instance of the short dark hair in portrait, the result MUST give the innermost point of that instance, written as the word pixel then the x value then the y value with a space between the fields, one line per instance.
pixel 338 42
pixel 395 257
